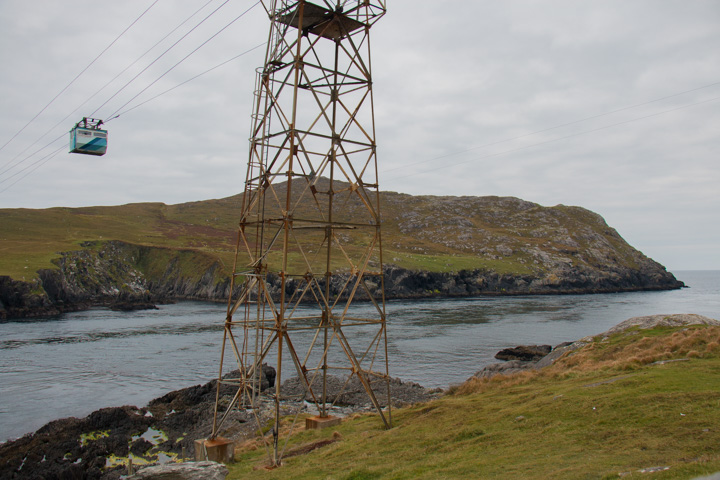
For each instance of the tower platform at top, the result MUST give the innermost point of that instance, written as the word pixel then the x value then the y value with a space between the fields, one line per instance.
pixel 329 23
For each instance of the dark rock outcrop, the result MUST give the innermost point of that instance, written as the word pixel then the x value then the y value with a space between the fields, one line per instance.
pixel 526 357
pixel 97 446
pixel 85 448
pixel 132 306
pixel 524 353
pixel 72 447
pixel 401 283
pixel 343 392
pixel 25 299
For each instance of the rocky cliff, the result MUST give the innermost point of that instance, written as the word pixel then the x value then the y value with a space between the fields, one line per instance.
pixel 434 246
pixel 115 272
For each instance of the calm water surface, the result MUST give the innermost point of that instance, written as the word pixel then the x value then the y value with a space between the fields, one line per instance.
pixel 79 362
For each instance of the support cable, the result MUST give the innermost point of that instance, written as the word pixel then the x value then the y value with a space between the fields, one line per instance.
pixel 105 86
pixel 186 81
pixel 25 159
pixel 444 166
pixel 158 58
pixel 78 75
pixel 8 167
pixel 113 115
pixel 38 163
pixel 6 170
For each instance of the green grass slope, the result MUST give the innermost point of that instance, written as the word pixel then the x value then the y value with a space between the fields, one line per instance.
pixel 438 234
pixel 638 402
pixel 31 239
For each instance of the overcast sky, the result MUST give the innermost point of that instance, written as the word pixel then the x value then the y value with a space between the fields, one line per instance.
pixel 611 105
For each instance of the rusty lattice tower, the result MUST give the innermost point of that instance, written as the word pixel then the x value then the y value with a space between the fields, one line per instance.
pixel 308 284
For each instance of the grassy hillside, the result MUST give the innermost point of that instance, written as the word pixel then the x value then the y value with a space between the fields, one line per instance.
pixel 32 238
pixel 440 234
pixel 637 402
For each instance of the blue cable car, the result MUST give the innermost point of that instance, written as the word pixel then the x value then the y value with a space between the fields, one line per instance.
pixel 88 138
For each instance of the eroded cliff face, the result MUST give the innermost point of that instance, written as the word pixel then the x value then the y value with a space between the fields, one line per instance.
pixel 401 283
pixel 20 299
pixel 107 273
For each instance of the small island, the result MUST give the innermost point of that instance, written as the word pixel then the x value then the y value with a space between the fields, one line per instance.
pixel 66 259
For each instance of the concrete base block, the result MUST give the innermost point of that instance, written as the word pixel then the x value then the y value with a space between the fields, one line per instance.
pixel 318 422
pixel 219 450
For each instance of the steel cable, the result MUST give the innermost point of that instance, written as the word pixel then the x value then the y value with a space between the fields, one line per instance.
pixel 158 58
pixel 7 167
pixel 113 115
pixel 104 87
pixel 77 76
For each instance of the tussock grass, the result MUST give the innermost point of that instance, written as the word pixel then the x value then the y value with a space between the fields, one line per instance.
pixel 634 348
pixel 479 385
pixel 606 410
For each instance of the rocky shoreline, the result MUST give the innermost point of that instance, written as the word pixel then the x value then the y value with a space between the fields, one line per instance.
pixel 99 445
pixel 111 274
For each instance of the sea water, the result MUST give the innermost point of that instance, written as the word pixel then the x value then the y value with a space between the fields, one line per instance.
pixel 78 362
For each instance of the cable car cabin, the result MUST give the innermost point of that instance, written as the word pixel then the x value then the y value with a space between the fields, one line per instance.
pixel 88 138
pixel 89 141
